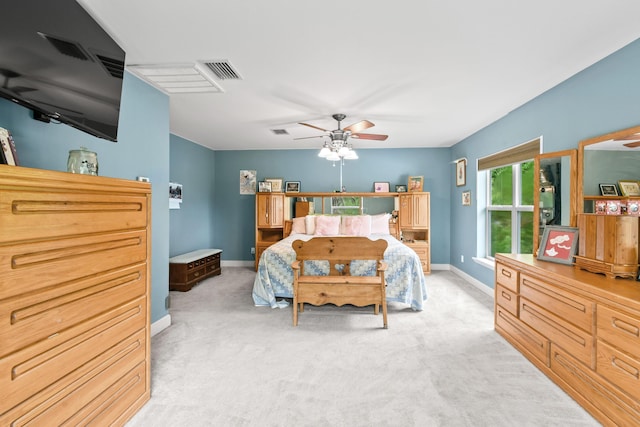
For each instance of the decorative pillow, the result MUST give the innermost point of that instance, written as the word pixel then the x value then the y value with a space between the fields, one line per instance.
pixel 380 223
pixel 310 224
pixel 356 225
pixel 299 226
pixel 327 226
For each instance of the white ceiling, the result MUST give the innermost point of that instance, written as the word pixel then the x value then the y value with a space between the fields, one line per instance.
pixel 427 72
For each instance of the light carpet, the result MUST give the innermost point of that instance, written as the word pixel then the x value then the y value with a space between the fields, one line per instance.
pixel 225 362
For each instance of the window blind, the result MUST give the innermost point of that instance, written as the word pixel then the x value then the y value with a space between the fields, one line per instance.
pixel 517 154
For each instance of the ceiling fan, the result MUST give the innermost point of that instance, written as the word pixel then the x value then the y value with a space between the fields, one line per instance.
pixel 353 131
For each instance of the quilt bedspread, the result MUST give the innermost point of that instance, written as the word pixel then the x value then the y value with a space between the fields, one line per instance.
pixel 404 277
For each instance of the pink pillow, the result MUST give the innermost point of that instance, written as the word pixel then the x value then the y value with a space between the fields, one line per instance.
pixel 298 226
pixel 380 223
pixel 327 226
pixel 358 225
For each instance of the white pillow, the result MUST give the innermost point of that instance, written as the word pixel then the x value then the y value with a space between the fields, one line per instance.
pixel 299 226
pixel 327 225
pixel 310 224
pixel 380 223
pixel 355 225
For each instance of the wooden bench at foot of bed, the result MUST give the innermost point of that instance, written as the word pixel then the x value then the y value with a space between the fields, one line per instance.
pixel 339 287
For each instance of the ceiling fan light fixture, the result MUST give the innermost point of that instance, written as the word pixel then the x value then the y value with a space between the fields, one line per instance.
pixel 333 157
pixel 351 155
pixel 325 151
pixel 343 150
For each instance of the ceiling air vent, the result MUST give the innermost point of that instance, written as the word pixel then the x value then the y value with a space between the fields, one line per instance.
pixel 65 47
pixel 280 131
pixel 222 69
pixel 177 78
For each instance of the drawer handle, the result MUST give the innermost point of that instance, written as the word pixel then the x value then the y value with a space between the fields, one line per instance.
pixel 196 274
pixel 506 273
pixel 625 367
pixel 626 327
pixel 506 296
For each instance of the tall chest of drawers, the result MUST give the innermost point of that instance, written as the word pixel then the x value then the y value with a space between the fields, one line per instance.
pixel 74 298
pixel 581 329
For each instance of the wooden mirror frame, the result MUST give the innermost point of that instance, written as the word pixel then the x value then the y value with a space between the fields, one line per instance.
pixel 573 156
pixel 617 135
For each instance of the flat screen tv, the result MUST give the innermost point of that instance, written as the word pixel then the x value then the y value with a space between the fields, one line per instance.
pixel 56 60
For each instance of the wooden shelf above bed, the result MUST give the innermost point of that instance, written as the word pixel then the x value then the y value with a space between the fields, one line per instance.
pixel 367 194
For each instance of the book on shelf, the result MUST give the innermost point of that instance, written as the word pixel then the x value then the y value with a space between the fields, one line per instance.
pixel 8 152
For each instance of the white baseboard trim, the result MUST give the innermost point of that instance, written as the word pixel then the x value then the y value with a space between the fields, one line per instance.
pixel 440 266
pixel 237 264
pixel 475 282
pixel 160 325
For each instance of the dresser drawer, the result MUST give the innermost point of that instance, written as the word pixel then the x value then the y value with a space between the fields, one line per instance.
pixel 507 299
pixel 566 305
pixel 573 339
pixel 619 368
pixel 196 275
pixel 621 330
pixel 536 344
pixel 507 277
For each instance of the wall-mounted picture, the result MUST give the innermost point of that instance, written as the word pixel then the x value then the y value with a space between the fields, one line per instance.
pixel 609 190
pixel 276 184
pixel 558 244
pixel 292 187
pixel 175 195
pixel 247 182
pixel 416 183
pixel 401 188
pixel 466 198
pixel 264 187
pixel 381 187
pixel 461 172
pixel 629 188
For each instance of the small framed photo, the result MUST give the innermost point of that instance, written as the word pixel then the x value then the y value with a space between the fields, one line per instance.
pixel 629 188
pixel 608 190
pixel 276 184
pixel 461 172
pixel 292 187
pixel 633 207
pixel 401 188
pixel 264 187
pixel 466 198
pixel 380 187
pixel 558 244
pixel 416 183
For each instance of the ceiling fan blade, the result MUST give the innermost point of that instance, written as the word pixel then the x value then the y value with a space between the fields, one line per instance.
pixel 309 137
pixel 369 136
pixel 359 126
pixel 632 144
pixel 312 126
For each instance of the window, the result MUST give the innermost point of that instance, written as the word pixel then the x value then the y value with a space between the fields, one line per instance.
pixel 346 205
pixel 508 218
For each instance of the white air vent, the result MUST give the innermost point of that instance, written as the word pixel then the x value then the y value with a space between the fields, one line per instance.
pixel 222 69
pixel 177 78
pixel 280 131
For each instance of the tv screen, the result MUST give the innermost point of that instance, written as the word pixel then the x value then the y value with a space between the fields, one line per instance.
pixel 56 60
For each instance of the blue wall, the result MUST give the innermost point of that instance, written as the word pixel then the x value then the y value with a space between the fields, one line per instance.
pixel 142 150
pixel 600 99
pixel 234 228
pixel 191 226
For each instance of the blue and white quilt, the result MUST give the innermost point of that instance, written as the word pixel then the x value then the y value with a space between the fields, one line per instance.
pixel 404 276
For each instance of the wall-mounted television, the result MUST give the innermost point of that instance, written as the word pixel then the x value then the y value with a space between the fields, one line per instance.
pixel 56 60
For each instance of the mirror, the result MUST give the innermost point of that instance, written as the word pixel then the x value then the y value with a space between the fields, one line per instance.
pixel 554 200
pixel 606 159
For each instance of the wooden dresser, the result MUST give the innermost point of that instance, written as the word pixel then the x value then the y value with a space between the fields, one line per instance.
pixel 188 269
pixel 74 298
pixel 414 224
pixel 581 329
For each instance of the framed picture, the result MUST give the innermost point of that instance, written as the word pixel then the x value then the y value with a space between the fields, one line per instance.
pixel 247 182
pixel 264 187
pixel 608 190
pixel 380 187
pixel 629 188
pixel 292 187
pixel 416 183
pixel 558 244
pixel 461 172
pixel 401 188
pixel 466 198
pixel 276 184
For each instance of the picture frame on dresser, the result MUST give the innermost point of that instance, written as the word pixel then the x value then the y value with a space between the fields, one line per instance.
pixel 559 244
pixel 292 187
pixel 264 187
pixel 608 190
pixel 416 183
pixel 629 188
pixel 380 187
pixel 276 184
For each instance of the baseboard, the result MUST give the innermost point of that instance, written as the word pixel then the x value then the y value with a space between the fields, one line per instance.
pixel 440 266
pixel 160 325
pixel 472 280
pixel 237 264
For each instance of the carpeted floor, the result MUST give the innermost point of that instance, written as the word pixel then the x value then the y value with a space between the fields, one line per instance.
pixel 225 362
